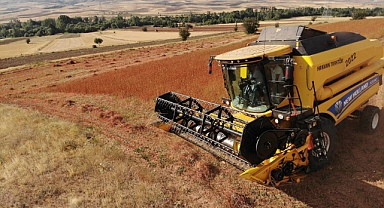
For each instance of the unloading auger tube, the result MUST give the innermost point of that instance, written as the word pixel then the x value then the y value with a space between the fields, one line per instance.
pixel 268 155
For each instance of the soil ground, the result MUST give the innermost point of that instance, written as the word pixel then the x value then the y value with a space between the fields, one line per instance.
pixel 72 89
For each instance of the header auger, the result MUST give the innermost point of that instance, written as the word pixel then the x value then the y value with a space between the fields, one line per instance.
pixel 288 90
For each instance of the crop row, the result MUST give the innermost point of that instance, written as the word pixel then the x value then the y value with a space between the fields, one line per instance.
pixel 186 73
pixel 370 28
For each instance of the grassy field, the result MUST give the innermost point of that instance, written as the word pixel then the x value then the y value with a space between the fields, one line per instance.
pixel 77 133
pixel 53 163
pixel 66 42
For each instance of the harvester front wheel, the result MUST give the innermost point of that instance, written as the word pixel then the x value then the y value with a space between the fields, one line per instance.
pixel 369 120
pixel 326 136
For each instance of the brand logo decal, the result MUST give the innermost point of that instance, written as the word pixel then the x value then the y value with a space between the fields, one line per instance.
pixel 330 64
pixel 339 107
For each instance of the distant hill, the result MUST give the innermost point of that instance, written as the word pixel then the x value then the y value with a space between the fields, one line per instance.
pixel 215 3
pixel 41 9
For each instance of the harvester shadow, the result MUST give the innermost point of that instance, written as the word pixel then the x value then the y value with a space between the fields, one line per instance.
pixel 355 175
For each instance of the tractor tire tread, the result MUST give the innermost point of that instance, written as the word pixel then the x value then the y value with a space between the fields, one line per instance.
pixel 367 118
pixel 328 127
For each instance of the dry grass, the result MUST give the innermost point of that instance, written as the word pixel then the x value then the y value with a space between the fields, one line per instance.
pixel 53 163
pixel 49 162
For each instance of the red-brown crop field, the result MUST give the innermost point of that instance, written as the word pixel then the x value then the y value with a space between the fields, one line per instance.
pixel 133 164
pixel 371 28
pixel 186 73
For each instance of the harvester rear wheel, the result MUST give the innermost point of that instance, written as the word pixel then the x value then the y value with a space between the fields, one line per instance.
pixel 369 120
pixel 327 141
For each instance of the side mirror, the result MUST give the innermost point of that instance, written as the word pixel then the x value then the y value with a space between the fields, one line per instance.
pixel 210 64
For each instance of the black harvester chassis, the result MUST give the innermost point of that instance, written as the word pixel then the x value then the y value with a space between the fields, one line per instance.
pixel 215 128
pixel 207 125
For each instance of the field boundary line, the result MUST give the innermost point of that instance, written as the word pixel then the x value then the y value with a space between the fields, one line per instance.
pixel 45 45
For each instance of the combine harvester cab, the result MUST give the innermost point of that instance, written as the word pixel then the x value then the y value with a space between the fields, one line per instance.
pixel 288 90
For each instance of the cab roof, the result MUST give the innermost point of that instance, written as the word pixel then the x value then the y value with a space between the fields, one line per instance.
pixel 253 52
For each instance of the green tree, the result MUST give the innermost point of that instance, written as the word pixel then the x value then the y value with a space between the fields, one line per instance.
pixel 61 22
pixel 135 21
pixel 95 20
pixel 16 32
pixel 4 32
pixel 249 12
pixel 30 24
pixel 98 41
pixel 118 22
pixel 49 22
pixel 250 25
pixel 184 33
pixel 51 30
pixel 40 33
pixel 102 19
pixel 357 15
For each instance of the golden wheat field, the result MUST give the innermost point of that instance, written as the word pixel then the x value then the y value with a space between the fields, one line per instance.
pixel 66 42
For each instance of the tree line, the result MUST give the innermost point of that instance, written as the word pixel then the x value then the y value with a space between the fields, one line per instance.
pixel 64 23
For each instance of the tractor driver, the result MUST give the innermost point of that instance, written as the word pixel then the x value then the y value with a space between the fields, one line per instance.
pixel 253 87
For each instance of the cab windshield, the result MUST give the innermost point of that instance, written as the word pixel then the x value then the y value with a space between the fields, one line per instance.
pixel 255 87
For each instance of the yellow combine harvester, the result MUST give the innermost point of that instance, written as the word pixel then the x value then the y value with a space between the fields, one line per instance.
pixel 288 90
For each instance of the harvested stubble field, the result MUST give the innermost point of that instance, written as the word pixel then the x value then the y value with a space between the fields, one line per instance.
pixel 112 40
pixel 83 137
